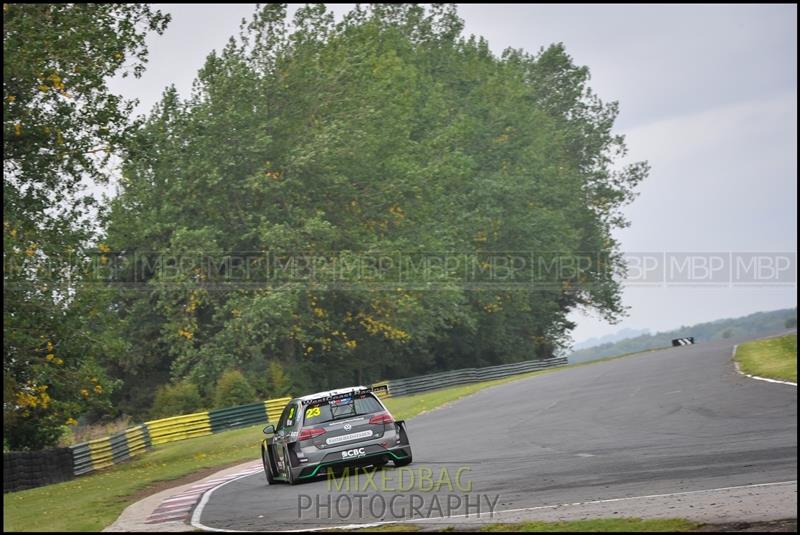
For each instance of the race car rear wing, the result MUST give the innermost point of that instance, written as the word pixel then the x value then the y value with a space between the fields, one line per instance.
pixel 360 392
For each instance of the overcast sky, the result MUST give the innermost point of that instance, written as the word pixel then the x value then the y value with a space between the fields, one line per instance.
pixel 708 95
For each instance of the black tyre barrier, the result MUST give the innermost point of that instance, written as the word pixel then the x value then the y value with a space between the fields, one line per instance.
pixel 30 469
pixel 683 341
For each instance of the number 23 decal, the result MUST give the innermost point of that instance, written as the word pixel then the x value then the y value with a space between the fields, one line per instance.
pixel 313 411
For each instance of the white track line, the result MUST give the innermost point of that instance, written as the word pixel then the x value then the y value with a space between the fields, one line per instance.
pixel 739 370
pixel 195 520
pixel 173 506
pixel 183 498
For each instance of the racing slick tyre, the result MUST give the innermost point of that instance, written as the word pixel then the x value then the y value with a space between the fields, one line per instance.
pixel 404 462
pixel 267 468
pixel 404 440
pixel 289 474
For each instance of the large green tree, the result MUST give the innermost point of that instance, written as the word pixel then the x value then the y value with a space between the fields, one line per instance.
pixel 387 134
pixel 61 126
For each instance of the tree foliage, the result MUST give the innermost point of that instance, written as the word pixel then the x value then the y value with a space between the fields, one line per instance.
pixel 387 132
pixel 182 397
pixel 61 125
pixel 233 389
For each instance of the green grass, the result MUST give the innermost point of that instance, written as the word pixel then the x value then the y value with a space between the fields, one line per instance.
pixel 775 358
pixel 605 525
pixel 92 502
pixel 383 527
pixel 600 525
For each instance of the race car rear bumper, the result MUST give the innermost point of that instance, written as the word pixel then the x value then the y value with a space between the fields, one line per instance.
pixel 372 455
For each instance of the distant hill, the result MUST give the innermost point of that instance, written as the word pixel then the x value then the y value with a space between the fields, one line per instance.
pixel 610 338
pixel 758 324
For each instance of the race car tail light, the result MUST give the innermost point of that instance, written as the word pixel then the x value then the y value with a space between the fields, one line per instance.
pixel 382 418
pixel 307 434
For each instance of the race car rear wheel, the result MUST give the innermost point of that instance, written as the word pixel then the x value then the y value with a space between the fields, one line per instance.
pixel 267 466
pixel 405 461
pixel 403 440
pixel 290 479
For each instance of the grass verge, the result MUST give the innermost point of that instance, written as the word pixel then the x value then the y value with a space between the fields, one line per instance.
pixel 92 502
pixel 775 358
pixel 600 525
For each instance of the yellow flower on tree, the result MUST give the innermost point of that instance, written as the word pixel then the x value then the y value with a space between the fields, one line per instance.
pixel 186 333
pixel 25 399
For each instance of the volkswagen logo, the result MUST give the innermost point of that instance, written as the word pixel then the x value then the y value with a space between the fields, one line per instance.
pixel 347 427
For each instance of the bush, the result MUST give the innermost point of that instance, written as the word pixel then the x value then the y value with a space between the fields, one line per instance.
pixel 278 382
pixel 233 389
pixel 85 432
pixel 34 434
pixel 177 399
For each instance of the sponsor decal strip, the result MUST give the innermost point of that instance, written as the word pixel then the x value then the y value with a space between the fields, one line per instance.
pixel 346 438
pixel 354 392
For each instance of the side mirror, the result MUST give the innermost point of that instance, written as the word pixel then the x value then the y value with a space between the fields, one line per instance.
pixel 269 430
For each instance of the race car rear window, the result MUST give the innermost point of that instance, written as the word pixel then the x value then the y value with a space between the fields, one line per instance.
pixel 340 408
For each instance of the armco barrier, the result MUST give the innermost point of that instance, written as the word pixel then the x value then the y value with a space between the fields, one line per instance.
pixel 412 385
pixel 274 408
pixel 179 428
pixel 138 440
pixel 233 417
pixel 103 452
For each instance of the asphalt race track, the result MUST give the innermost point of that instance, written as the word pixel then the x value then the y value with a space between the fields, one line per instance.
pixel 669 421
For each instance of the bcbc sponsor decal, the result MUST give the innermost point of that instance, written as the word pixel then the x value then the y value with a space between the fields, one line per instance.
pixel 357 452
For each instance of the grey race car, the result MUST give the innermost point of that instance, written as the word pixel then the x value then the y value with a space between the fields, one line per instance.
pixel 345 427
